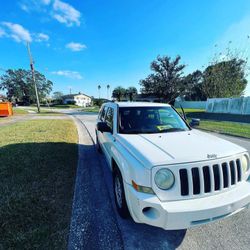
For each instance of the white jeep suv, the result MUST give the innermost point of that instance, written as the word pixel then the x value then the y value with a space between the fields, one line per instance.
pixel 167 174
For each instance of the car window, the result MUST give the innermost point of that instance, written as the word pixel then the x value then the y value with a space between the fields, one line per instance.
pixel 102 113
pixel 109 118
pixel 135 120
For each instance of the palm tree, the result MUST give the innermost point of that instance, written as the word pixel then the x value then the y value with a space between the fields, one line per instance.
pixel 131 93
pixel 99 90
pixel 118 93
pixel 108 87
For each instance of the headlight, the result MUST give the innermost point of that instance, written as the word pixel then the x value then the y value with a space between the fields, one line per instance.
pixel 164 179
pixel 245 163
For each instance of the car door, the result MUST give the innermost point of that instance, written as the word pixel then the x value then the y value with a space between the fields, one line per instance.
pixel 108 138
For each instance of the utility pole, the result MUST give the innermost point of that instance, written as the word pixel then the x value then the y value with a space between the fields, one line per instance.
pixel 33 77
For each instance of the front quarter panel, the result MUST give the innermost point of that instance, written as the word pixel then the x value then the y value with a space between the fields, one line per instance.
pixel 130 167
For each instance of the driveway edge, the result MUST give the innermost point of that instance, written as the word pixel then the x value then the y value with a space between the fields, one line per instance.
pixel 93 223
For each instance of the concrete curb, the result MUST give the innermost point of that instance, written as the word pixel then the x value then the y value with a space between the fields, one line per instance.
pixel 76 235
pixel 93 223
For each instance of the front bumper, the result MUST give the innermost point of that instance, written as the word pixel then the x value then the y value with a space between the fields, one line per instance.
pixel 172 215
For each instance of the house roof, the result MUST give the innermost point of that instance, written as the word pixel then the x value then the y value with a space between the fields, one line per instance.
pixel 73 95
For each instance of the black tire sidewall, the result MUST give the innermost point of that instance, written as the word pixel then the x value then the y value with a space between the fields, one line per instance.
pixel 123 210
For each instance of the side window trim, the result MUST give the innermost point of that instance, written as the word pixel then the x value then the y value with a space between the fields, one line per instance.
pixel 104 113
pixel 112 122
pixel 100 113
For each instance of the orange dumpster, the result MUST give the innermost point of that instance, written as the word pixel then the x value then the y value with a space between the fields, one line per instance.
pixel 6 109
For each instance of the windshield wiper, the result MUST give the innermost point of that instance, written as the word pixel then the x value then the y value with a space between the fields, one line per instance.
pixel 171 130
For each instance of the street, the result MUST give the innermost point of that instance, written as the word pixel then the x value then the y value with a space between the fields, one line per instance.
pixel 229 233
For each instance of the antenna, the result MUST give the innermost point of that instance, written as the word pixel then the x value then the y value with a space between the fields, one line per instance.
pixel 33 77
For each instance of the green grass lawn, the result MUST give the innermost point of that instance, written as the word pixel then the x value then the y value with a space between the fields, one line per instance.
pixel 38 162
pixel 233 128
pixel 18 111
pixel 91 109
pixel 65 106
pixel 188 111
pixel 49 113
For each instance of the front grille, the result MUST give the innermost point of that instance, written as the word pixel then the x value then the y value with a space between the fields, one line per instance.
pixel 208 179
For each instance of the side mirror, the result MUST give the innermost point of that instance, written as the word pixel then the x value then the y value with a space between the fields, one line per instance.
pixel 194 122
pixel 103 127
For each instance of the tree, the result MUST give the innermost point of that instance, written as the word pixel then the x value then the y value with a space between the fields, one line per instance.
pixel 193 87
pixel 108 87
pixel 99 90
pixel 166 80
pixel 20 86
pixel 118 93
pixel 131 92
pixel 225 79
pixel 57 95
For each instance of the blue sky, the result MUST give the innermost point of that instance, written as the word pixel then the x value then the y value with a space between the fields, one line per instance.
pixel 80 44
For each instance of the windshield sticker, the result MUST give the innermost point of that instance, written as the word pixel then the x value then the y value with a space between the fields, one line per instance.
pixel 163 127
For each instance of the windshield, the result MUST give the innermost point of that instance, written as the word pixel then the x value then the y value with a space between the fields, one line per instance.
pixel 140 120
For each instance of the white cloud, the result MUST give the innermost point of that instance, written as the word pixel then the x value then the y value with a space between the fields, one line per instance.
pixel 34 5
pixel 17 32
pixel 59 10
pixel 41 37
pixel 68 73
pixel 237 39
pixel 75 46
pixel 65 13
pixel 24 7
pixel 46 2
pixel 2 32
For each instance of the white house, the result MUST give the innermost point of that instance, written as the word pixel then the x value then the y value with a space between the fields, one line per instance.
pixel 2 98
pixel 80 99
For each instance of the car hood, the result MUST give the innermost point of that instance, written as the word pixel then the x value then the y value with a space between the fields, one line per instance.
pixel 177 147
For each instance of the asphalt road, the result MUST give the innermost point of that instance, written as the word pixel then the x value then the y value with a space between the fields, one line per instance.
pixel 229 233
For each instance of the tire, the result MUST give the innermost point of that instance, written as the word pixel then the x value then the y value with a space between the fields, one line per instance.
pixel 99 149
pixel 120 199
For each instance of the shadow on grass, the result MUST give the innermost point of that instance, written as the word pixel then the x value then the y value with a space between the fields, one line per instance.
pixel 37 185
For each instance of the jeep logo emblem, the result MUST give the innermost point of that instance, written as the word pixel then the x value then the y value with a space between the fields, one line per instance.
pixel 211 156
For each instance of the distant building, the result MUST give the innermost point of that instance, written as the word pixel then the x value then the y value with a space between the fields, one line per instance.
pixel 2 98
pixel 79 99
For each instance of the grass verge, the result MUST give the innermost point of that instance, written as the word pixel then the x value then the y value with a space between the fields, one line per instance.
pixel 232 128
pixel 38 162
pixel 18 111
pixel 94 109
pixel 65 106
pixel 49 113
pixel 188 111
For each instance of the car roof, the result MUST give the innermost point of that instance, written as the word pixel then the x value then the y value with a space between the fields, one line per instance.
pixel 141 104
pixel 137 104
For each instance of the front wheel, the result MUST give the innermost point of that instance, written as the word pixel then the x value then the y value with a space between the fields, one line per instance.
pixel 119 194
